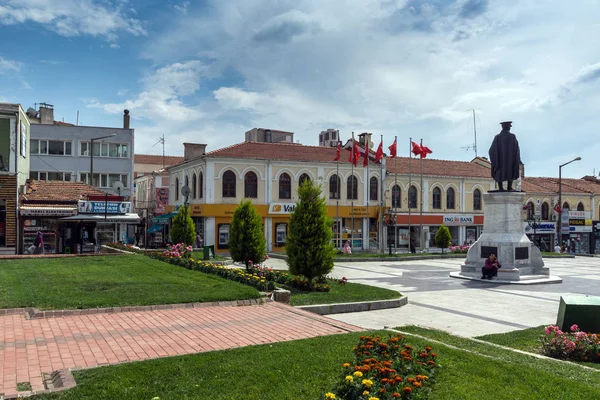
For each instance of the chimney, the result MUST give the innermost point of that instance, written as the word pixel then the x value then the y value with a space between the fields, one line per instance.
pixel 46 114
pixel 193 150
pixel 126 119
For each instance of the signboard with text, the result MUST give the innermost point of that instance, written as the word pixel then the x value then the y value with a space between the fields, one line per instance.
pixel 458 219
pixel 281 208
pixel 103 207
pixel 564 221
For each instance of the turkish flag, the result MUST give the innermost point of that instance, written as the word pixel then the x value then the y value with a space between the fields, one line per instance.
pixel 354 154
pixel 338 151
pixel 424 151
pixel 379 154
pixel 416 149
pixel 392 150
pixel 366 158
pixel 557 208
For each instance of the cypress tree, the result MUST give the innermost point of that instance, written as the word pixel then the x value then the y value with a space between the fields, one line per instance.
pixel 443 237
pixel 246 238
pixel 183 229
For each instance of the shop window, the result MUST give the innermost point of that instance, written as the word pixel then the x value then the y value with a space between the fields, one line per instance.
pixel 194 186
pixel 200 185
pixel 530 210
pixel 450 199
pixel 176 188
pixel 352 188
pixel 566 206
pixel 412 197
pixel 303 177
pixel 229 184
pixel 545 211
pixel 250 185
pixel 187 183
pixel 373 188
pixel 334 187
pixel 396 197
pixel 477 199
pixel 437 198
pixel 285 186
pixel 580 207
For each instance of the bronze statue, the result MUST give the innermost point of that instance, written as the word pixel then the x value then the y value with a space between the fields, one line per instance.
pixel 505 157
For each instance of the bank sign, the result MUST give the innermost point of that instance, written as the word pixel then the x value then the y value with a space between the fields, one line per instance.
pixel 281 208
pixel 103 207
pixel 542 227
pixel 457 219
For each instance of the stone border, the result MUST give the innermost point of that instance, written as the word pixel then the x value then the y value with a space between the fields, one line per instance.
pixel 339 308
pixel 40 256
pixel 531 281
pixel 372 259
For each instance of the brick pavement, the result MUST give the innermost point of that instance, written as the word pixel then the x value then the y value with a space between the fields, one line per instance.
pixel 29 348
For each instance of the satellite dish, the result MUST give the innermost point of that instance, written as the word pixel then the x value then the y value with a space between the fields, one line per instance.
pixel 118 187
pixel 185 191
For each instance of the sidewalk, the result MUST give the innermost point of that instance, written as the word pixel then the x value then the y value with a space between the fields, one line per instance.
pixel 29 348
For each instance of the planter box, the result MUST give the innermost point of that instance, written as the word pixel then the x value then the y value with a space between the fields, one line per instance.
pixel 581 310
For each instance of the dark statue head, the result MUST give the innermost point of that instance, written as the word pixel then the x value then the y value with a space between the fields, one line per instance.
pixel 506 125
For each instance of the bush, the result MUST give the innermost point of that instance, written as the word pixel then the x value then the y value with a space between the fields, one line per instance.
pixel 574 346
pixel 178 250
pixel 385 370
pixel 463 248
pixel 247 241
pixel 309 248
pixel 443 237
pixel 184 229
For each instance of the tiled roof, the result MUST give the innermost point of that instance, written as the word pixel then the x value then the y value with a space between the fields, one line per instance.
pixel 59 191
pixel 433 167
pixel 158 160
pixel 550 185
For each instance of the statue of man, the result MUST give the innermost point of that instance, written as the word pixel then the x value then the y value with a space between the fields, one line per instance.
pixel 505 157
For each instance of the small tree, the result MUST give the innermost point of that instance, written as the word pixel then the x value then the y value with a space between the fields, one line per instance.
pixel 246 238
pixel 308 246
pixel 443 237
pixel 183 229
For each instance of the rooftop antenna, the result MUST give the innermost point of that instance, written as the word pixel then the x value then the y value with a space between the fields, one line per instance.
pixel 162 141
pixel 474 146
pixel 77 123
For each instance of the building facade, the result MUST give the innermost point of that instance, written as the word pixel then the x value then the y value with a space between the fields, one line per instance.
pixel 14 171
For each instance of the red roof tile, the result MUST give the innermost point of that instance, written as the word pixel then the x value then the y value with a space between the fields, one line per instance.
pixel 58 191
pixel 434 167
pixel 158 160
pixel 550 185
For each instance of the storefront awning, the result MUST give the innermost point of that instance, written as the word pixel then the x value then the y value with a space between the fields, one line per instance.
pixel 130 218
pixel 155 228
pixel 163 219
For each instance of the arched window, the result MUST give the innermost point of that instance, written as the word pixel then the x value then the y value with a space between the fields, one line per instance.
pixel 373 188
pixel 250 185
pixel 303 177
pixel 285 186
pixel 412 197
pixel 187 182
pixel 352 188
pixel 229 184
pixel 396 197
pixel 530 210
pixel 437 198
pixel 477 199
pixel 200 185
pixel 545 211
pixel 580 207
pixel 450 202
pixel 334 187
pixel 194 186
pixel 566 206
pixel 176 188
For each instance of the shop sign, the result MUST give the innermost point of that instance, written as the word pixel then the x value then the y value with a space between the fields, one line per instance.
pixel 48 212
pixel 103 207
pixel 281 208
pixel 580 229
pixel 580 222
pixel 579 214
pixel 543 227
pixel 458 219
pixel 564 221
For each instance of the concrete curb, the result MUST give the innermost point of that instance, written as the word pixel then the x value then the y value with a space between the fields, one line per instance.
pixel 372 259
pixel 537 281
pixel 340 308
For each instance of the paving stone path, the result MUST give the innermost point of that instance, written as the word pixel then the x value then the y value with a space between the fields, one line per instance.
pixel 29 348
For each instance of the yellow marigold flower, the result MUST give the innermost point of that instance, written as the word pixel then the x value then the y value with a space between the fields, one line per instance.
pixel 357 373
pixel 349 378
pixel 346 365
pixel 367 382
pixel 366 392
pixel 329 395
pixel 373 398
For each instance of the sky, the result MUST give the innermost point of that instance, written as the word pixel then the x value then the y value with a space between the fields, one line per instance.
pixel 208 71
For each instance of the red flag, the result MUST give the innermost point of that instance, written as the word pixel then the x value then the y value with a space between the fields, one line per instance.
pixel 366 157
pixel 416 149
pixel 393 149
pixel 424 151
pixel 338 151
pixel 354 154
pixel 379 154
pixel 557 208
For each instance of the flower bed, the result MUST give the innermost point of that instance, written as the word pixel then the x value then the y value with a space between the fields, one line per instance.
pixel 385 370
pixel 574 346
pixel 459 249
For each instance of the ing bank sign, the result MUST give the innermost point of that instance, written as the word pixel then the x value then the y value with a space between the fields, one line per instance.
pixel 281 208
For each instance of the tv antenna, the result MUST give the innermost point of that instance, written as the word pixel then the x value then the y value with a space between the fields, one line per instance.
pixel 162 141
pixel 474 146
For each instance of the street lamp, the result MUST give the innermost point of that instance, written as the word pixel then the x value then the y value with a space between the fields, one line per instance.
pixel 533 221
pixel 91 150
pixel 390 224
pixel 560 197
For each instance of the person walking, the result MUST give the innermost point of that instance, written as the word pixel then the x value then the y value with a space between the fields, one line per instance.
pixel 39 244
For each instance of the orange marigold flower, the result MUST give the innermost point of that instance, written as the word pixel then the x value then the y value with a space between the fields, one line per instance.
pixel 417 384
pixel 346 365
pixel 366 368
pixel 428 348
pixel 398 378
pixel 357 368
pixel 423 355
pixel 431 363
pixel 382 390
pixel 433 355
pixel 407 389
pixel 396 395
pixel 410 379
pixel 407 347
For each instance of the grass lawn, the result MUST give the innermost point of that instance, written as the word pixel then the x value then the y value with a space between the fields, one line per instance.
pixel 553 254
pixel 347 293
pixel 306 369
pixel 199 255
pixel 127 280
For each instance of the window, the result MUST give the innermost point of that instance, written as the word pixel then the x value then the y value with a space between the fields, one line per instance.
pixel 200 185
pixel 412 197
pixel 303 177
pixel 229 184
pixel 566 206
pixel 396 197
pixel 477 199
pixel 437 198
pixel 334 187
pixel 352 188
pixel 580 207
pixel 51 147
pixel 250 185
pixel 105 180
pixel 285 186
pixel 187 183
pixel 194 186
pixel 101 149
pixel 50 176
pixel 530 210
pixel 176 188
pixel 545 211
pixel 373 188
pixel 450 203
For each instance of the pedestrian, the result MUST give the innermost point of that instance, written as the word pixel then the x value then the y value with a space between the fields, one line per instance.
pixel 490 268
pixel 39 244
pixel 413 247
pixel 199 241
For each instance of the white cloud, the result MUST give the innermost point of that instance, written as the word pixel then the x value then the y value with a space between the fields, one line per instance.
pixel 72 17
pixel 114 46
pixel 9 65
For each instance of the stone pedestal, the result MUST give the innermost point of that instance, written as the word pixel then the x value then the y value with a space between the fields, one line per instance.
pixel 503 235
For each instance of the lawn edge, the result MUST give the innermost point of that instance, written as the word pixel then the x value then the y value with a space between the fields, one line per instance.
pixel 359 306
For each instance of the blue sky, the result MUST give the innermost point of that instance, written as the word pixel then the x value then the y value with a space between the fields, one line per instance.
pixel 207 71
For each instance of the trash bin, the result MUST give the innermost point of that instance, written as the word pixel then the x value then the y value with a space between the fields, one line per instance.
pixel 212 250
pixel 206 250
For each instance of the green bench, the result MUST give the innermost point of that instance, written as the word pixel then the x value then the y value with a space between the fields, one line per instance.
pixel 581 310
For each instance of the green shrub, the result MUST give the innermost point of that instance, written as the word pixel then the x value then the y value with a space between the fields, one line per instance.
pixel 443 237
pixel 247 241
pixel 184 229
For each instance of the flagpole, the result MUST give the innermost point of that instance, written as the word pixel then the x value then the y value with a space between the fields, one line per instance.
pixel 421 207
pixel 409 186
pixel 352 188
pixel 381 191
pixel 368 183
pixel 337 202
pixel 395 229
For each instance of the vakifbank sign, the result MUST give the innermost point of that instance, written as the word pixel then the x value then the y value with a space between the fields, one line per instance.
pixel 281 208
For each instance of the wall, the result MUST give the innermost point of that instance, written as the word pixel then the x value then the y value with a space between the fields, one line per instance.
pixel 8 192
pixel 24 159
pixel 5 141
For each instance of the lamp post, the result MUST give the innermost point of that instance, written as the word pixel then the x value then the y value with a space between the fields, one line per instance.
pixel 533 221
pixel 390 224
pixel 91 150
pixel 560 197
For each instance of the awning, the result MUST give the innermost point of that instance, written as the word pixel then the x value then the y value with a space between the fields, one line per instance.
pixel 130 218
pixel 163 219
pixel 155 228
pixel 47 211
